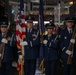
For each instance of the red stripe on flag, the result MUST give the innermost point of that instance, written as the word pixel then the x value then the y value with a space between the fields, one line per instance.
pixel 23 16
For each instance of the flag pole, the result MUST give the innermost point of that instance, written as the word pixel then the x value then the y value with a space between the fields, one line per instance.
pixel 59 11
pixel 42 30
pixel 21 34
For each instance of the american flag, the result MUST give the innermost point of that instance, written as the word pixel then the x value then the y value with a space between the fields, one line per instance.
pixel 20 24
pixel 20 33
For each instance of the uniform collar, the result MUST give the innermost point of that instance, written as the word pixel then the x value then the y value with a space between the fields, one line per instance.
pixel 29 30
pixel 69 30
pixel 49 35
pixel 3 34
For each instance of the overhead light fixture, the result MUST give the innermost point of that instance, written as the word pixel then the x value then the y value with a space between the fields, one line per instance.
pixel 13 11
pixel 66 6
pixel 71 3
pixel 36 1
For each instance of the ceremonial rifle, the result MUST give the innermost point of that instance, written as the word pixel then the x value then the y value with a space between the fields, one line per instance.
pixel 71 47
pixel 2 51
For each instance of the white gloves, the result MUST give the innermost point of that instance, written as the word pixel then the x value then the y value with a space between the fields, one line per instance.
pixel 24 43
pixel 45 42
pixel 69 52
pixel 20 57
pixel 50 45
pixel 0 54
pixel 46 32
pixel 4 41
pixel 72 41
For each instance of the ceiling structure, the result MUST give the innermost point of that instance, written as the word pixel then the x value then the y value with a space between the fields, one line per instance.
pixel 43 0
pixel 49 6
pixel 33 8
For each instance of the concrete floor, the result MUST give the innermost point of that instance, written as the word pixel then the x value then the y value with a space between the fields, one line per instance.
pixel 38 72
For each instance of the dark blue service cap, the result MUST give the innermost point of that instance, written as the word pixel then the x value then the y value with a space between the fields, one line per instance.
pixel 3 21
pixel 30 19
pixel 3 24
pixel 50 26
pixel 69 18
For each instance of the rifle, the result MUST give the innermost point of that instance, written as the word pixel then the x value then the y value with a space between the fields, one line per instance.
pixel 71 47
pixel 2 51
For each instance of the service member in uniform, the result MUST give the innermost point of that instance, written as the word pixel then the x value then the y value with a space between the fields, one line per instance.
pixel 50 50
pixel 31 48
pixel 7 53
pixel 15 49
pixel 65 38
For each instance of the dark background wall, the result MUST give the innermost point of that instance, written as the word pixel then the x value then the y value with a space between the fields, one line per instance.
pixel 72 9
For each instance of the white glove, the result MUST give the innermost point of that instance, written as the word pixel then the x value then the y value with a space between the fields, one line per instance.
pixel 50 45
pixel 20 57
pixel 72 41
pixel 24 43
pixel 46 32
pixel 69 52
pixel 14 64
pixel 45 42
pixel 0 54
pixel 4 41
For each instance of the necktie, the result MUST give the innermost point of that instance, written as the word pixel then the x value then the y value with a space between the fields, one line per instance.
pixel 70 31
pixel 48 37
pixel 29 30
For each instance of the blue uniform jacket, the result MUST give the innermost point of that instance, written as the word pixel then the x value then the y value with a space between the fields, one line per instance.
pixel 51 51
pixel 32 49
pixel 8 52
pixel 64 40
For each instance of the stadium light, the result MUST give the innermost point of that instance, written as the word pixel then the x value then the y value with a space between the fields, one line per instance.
pixel 36 1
